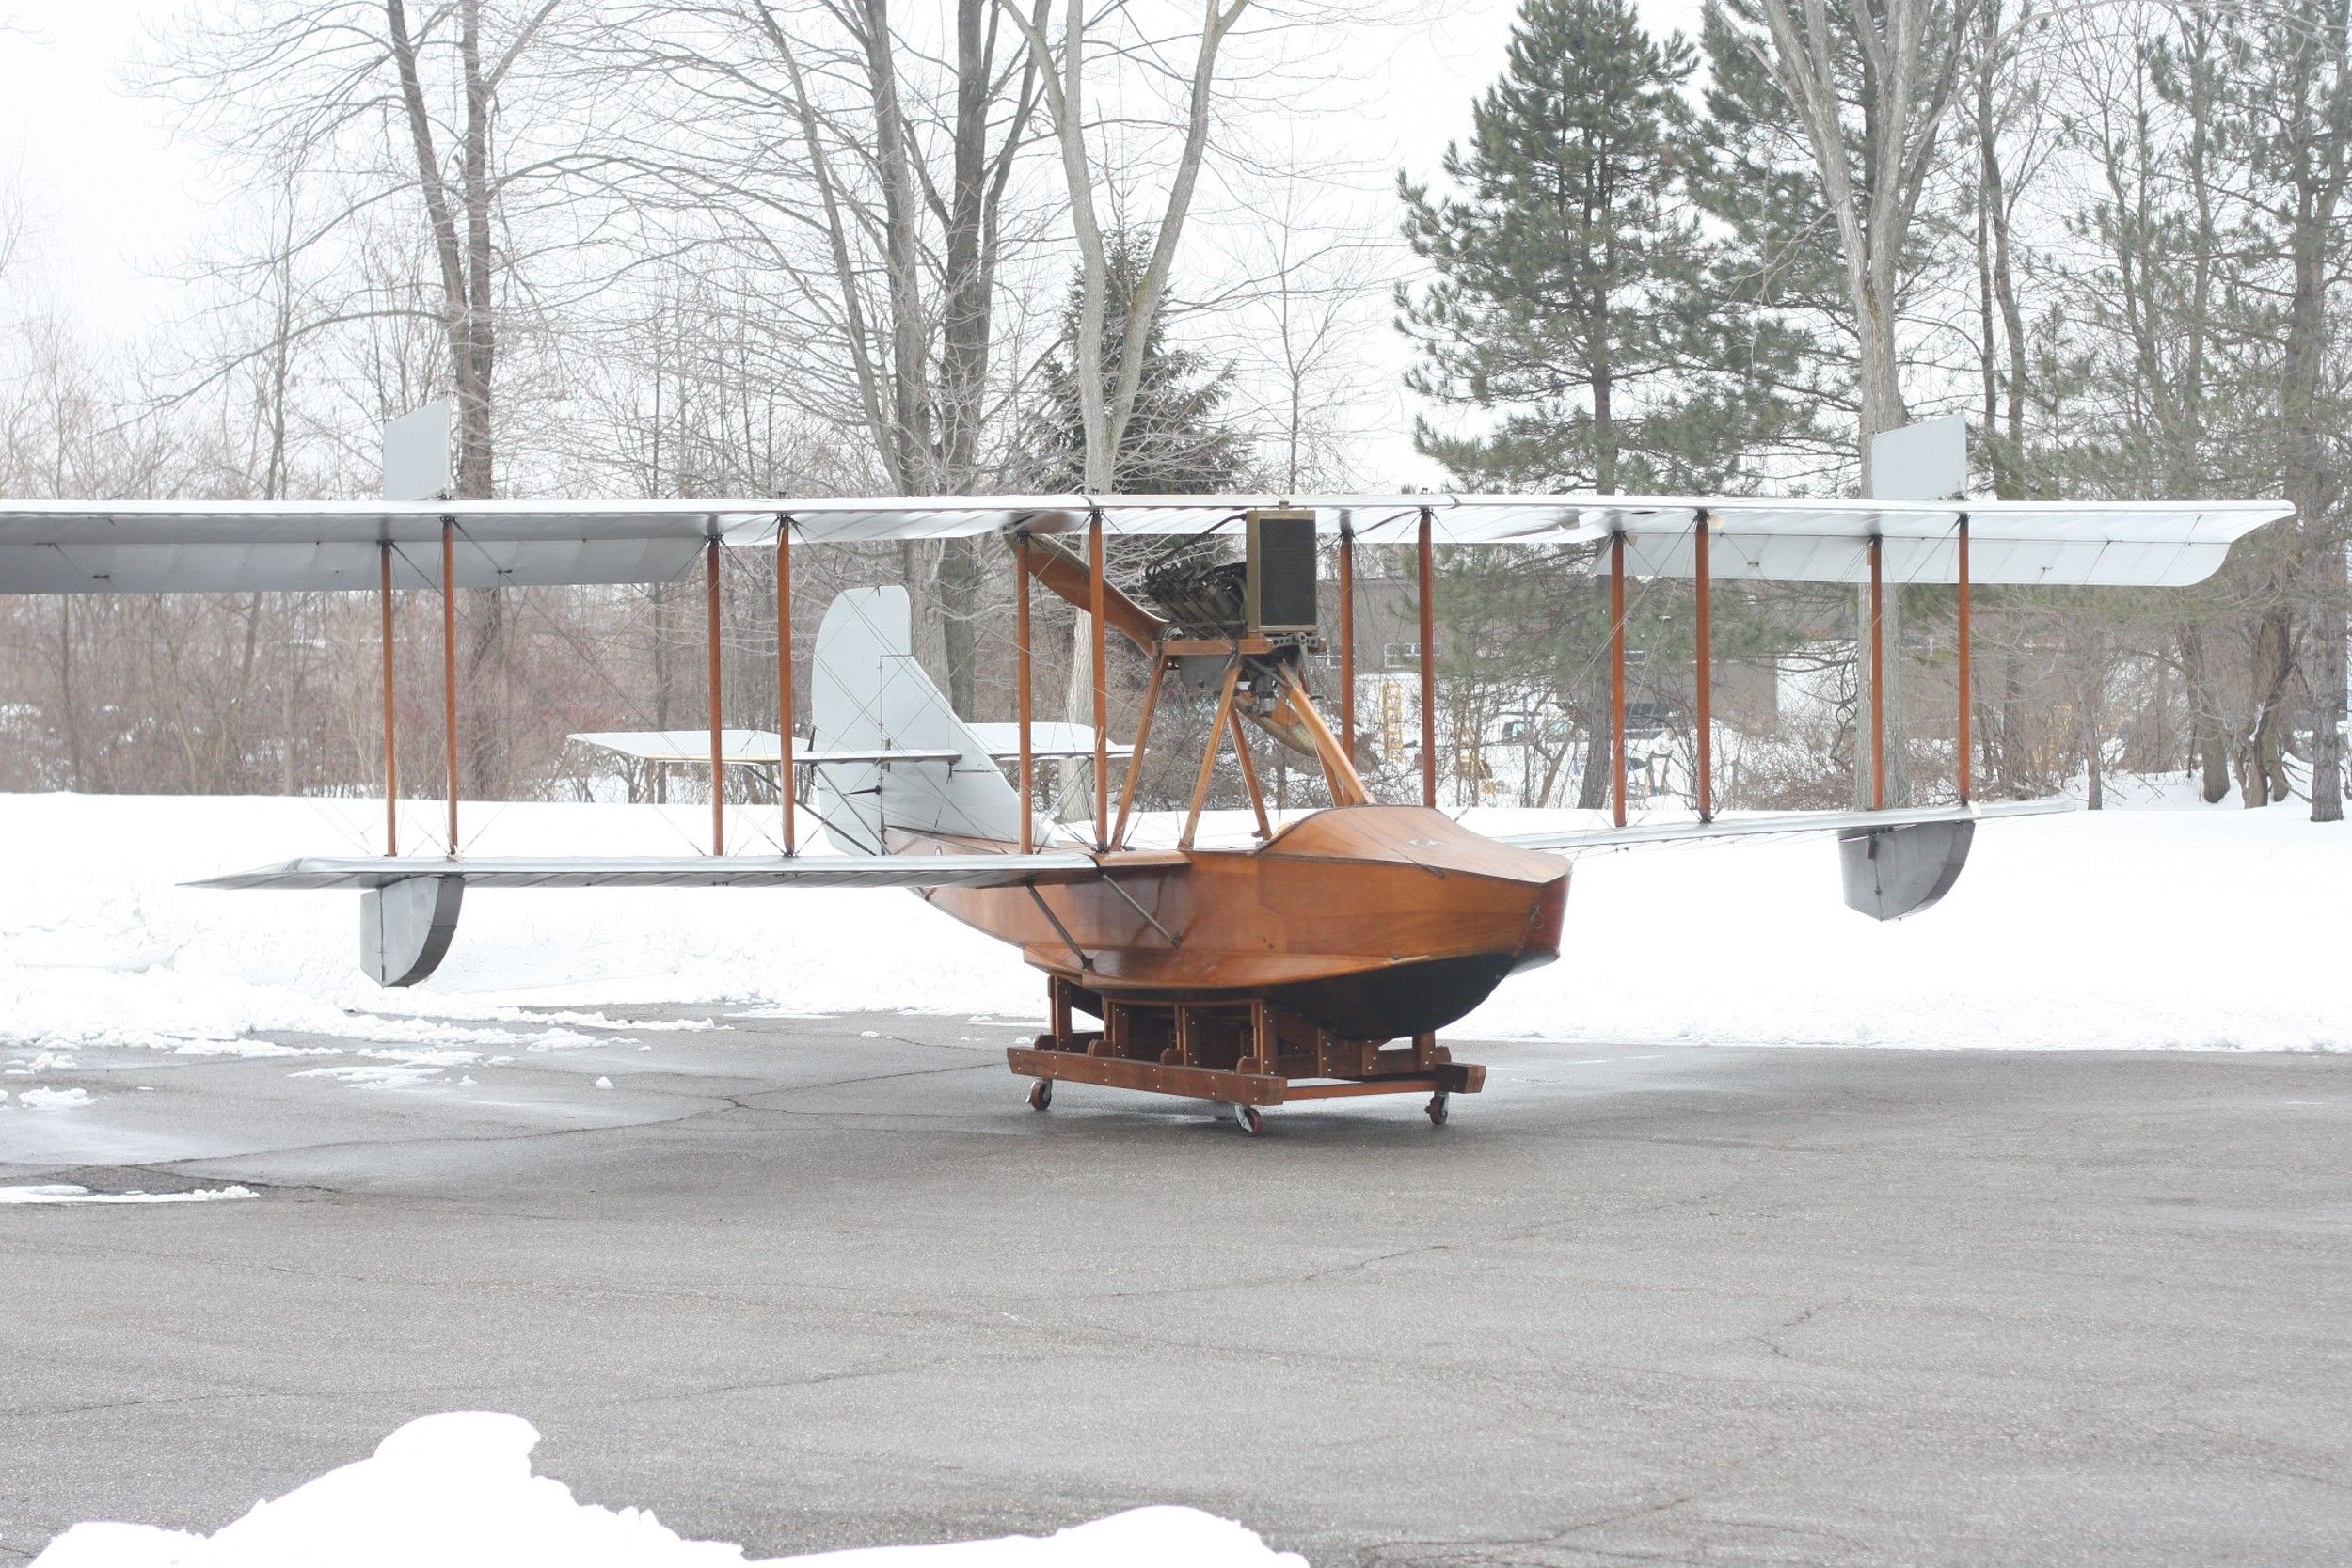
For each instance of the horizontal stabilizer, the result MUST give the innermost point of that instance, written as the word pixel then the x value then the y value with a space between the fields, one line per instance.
pixel 743 748
pixel 1770 824
pixel 903 871
pixel 747 747
pixel 1048 737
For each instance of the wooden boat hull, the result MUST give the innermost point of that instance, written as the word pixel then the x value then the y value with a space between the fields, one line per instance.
pixel 1372 922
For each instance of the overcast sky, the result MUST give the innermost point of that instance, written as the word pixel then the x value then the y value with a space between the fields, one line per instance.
pixel 114 201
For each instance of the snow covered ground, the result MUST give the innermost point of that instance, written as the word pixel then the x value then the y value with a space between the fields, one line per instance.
pixel 2157 925
pixel 456 1491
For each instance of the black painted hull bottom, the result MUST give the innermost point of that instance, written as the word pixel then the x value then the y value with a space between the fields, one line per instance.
pixel 1403 999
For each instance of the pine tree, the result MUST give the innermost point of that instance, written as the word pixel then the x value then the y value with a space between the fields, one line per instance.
pixel 1577 300
pixel 1174 445
pixel 1774 285
pixel 1567 296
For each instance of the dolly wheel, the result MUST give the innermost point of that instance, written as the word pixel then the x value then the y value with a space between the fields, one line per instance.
pixel 1042 1095
pixel 1249 1120
pixel 1437 1108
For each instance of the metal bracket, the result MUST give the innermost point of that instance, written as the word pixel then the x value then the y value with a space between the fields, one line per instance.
pixel 1169 937
pixel 1059 929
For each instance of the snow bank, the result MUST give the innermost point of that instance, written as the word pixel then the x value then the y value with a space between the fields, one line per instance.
pixel 99 945
pixel 2152 926
pixel 455 1491
pixel 2156 923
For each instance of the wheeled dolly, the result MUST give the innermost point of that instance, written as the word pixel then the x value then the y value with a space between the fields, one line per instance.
pixel 1245 1054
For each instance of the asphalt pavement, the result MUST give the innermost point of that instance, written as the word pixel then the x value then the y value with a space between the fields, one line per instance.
pixel 811 1283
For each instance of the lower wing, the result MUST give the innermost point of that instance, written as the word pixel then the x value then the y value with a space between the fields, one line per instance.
pixel 1773 824
pixel 908 871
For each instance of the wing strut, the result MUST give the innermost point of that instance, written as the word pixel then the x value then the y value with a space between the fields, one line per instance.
pixel 1616 675
pixel 717 748
pixel 1877 673
pixel 1347 638
pixel 784 675
pixel 449 668
pixel 1706 659
pixel 1021 650
pixel 1101 682
pixel 1967 683
pixel 1427 563
pixel 391 730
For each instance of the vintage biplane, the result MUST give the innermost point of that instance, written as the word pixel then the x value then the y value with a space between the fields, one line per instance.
pixel 1316 960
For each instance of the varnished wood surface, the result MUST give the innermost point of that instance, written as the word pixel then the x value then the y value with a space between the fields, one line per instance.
pixel 1350 891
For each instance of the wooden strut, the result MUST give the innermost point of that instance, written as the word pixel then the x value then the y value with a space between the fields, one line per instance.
pixel 1705 666
pixel 1348 639
pixel 718 747
pixel 1967 683
pixel 1878 679
pixel 1102 685
pixel 449 668
pixel 1428 668
pixel 1208 753
pixel 1616 675
pixel 1248 771
pixel 1134 757
pixel 1021 658
pixel 784 673
pixel 1339 772
pixel 391 737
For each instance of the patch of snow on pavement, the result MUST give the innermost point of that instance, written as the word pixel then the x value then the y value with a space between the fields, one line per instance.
pixel 391 1076
pixel 456 1491
pixel 39 1062
pixel 53 1100
pixel 63 1194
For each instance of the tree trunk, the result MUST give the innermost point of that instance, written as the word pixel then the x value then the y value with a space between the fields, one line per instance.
pixel 2261 778
pixel 2204 719
pixel 2094 798
pixel 2327 633
pixel 959 569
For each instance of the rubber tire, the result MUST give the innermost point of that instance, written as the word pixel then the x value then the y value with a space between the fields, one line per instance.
pixel 1437 1108
pixel 1250 1120
pixel 1042 1095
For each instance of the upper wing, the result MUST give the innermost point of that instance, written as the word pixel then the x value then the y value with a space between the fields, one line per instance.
pixel 903 871
pixel 153 546
pixel 1773 823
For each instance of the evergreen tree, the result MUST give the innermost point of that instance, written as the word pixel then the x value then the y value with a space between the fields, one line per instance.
pixel 1569 268
pixel 1772 290
pixel 1775 272
pixel 1174 445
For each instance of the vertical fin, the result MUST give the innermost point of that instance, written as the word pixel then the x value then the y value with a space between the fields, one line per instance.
pixel 868 693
